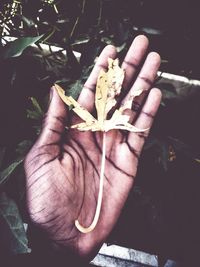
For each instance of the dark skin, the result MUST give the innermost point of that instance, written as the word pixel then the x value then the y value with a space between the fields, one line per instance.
pixel 63 167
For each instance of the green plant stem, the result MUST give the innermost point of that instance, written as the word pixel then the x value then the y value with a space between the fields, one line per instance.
pixel 49 35
pixel 88 229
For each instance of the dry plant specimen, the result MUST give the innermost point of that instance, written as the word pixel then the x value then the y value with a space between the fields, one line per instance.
pixel 108 86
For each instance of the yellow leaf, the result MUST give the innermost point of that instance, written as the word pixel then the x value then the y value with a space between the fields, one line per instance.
pixel 77 108
pixel 108 86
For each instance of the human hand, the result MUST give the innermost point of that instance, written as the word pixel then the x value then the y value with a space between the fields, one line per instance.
pixel 63 167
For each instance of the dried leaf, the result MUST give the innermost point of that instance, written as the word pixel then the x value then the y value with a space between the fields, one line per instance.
pixel 80 111
pixel 109 85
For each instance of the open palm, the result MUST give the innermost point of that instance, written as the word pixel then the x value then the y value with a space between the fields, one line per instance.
pixel 63 167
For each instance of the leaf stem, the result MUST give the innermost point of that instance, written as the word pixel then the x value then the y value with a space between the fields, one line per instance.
pixel 100 195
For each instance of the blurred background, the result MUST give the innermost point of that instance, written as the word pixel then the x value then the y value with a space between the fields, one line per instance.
pixel 43 42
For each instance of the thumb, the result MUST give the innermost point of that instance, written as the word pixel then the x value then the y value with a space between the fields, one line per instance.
pixel 54 120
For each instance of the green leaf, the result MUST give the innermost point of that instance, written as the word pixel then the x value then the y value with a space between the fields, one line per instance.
pixel 36 113
pixel 90 52
pixel 168 90
pixel 15 48
pixel 74 89
pixel 185 149
pixel 4 175
pixel 31 114
pixel 36 106
pixel 164 155
pixel 27 21
pixel 23 147
pixel 13 237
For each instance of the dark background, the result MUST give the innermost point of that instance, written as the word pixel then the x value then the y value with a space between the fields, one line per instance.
pixel 162 213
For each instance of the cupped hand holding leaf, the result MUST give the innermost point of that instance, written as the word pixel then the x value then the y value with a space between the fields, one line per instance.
pixel 108 86
pixel 64 167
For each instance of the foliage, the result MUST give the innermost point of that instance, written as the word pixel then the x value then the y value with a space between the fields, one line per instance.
pixel 7 172
pixel 15 48
pixel 13 236
pixel 86 26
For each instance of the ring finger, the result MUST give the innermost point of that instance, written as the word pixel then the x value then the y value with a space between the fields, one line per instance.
pixel 143 82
